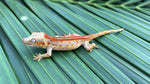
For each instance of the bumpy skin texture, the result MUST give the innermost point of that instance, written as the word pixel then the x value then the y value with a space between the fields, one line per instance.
pixel 62 43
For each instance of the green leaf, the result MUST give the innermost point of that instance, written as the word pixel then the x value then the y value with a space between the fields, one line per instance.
pixel 122 57
pixel 8 75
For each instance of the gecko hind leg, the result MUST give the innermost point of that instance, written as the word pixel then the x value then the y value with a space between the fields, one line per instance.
pixel 89 46
pixel 40 56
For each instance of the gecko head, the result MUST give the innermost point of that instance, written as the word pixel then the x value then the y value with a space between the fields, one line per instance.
pixel 35 39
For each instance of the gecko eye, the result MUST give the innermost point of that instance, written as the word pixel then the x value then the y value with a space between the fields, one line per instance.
pixel 33 40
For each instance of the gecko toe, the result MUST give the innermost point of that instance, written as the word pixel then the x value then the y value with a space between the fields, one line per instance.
pixel 97 47
pixel 38 57
pixel 35 57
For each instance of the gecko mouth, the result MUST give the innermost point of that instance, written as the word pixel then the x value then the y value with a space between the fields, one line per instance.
pixel 28 43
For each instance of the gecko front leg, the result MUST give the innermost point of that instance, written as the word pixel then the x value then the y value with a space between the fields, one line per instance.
pixel 40 56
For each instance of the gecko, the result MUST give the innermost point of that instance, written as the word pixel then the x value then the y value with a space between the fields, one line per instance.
pixel 62 43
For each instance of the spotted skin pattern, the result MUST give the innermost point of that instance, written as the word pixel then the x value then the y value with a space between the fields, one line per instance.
pixel 62 43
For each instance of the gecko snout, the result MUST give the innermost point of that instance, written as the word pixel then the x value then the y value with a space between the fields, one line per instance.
pixel 23 40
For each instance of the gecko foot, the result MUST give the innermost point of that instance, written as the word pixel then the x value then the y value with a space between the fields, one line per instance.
pixel 88 46
pixel 38 57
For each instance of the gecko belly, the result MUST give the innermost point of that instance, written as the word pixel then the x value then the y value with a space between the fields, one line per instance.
pixel 65 48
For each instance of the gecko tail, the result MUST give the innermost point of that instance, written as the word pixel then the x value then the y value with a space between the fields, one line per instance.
pixel 104 32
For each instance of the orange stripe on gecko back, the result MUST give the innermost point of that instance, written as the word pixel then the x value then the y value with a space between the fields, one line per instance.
pixel 69 38
pixel 61 41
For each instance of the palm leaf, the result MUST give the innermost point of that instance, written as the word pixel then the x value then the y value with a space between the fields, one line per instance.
pixel 121 58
